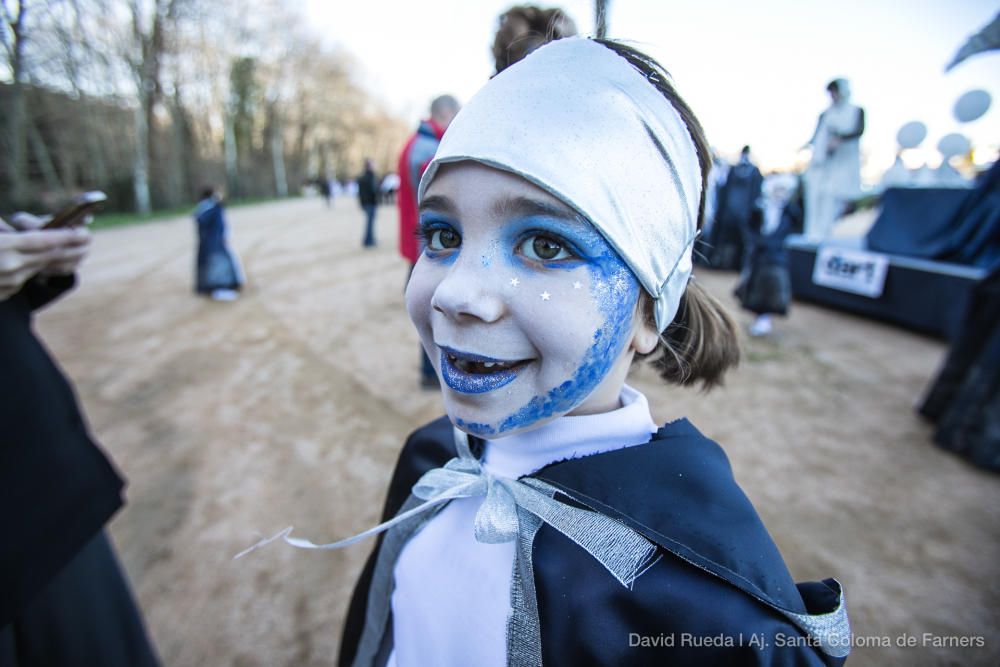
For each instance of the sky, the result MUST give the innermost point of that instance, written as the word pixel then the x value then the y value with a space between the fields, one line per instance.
pixel 753 72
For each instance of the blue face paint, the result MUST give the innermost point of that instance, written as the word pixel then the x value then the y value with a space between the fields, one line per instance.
pixel 618 303
pixel 540 285
pixel 580 239
pixel 432 223
pixel 616 291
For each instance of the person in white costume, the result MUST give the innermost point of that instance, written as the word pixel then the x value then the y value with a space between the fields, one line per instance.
pixel 834 175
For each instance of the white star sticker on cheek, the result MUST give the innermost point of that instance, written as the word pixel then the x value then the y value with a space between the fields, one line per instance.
pixel 545 296
pixel 577 285
pixel 515 282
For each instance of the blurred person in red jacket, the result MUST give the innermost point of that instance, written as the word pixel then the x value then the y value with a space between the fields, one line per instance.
pixel 414 159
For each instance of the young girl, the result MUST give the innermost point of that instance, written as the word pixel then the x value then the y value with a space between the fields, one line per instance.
pixel 548 520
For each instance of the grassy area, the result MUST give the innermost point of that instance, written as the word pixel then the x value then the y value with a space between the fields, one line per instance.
pixel 106 220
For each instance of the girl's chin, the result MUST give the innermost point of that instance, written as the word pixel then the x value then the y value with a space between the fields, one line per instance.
pixel 475 422
pixel 487 431
pixel 490 425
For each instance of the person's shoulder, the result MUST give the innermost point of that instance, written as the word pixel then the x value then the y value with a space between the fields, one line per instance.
pixel 424 146
pixel 206 206
pixel 674 613
pixel 676 453
pixel 679 492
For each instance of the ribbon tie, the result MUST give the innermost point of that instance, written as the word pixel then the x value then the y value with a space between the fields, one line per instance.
pixel 621 550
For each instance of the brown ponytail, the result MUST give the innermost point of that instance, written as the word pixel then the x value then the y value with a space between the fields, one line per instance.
pixel 700 345
pixel 702 342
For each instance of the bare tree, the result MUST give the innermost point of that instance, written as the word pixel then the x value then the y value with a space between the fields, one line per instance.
pixel 148 97
pixel 12 32
pixel 601 18
pixel 150 22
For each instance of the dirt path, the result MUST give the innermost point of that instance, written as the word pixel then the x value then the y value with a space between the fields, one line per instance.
pixel 289 406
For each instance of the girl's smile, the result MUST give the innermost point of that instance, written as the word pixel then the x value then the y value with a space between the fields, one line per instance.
pixel 523 307
pixel 474 374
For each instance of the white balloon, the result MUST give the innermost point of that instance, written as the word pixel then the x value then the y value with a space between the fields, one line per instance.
pixel 911 134
pixel 953 144
pixel 972 105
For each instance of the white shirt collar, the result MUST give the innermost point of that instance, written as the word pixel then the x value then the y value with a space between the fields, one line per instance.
pixel 572 437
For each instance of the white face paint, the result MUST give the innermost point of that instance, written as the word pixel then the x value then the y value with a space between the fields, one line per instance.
pixel 523 307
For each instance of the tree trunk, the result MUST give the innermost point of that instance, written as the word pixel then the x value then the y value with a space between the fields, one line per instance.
pixel 16 163
pixel 276 145
pixel 95 161
pixel 17 145
pixel 231 157
pixel 180 173
pixel 278 160
pixel 140 169
pixel 95 149
pixel 601 18
pixel 44 158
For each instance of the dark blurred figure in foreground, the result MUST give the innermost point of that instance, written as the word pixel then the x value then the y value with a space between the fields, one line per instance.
pixel 522 29
pixel 964 401
pixel 64 600
pixel 736 202
pixel 217 273
pixel 368 197
pixel 412 162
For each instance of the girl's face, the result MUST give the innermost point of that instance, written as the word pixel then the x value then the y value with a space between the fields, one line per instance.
pixel 524 309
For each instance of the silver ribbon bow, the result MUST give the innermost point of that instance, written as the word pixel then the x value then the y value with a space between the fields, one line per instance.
pixel 621 550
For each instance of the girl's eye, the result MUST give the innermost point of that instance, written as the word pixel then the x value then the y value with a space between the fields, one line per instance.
pixel 544 249
pixel 444 239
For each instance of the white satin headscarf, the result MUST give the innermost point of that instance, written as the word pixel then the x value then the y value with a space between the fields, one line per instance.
pixel 579 121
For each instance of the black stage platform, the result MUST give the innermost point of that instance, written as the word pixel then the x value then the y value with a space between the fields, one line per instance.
pixel 919 294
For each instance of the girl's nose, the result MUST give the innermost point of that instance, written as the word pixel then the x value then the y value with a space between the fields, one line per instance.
pixel 468 293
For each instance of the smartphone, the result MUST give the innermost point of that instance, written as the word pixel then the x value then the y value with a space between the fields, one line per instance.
pixel 76 213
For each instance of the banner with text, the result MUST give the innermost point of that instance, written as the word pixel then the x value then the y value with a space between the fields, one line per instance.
pixel 850 270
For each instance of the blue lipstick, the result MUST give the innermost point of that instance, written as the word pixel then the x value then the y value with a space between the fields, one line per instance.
pixel 468 374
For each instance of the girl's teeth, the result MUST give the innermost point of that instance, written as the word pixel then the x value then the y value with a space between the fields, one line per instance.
pixel 489 364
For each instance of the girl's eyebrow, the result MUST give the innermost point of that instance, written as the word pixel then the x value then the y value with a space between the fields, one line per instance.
pixel 438 203
pixel 525 206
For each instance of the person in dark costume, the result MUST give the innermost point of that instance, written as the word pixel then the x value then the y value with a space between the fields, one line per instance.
pixel 964 400
pixel 974 236
pixel 765 286
pixel 217 272
pixel 736 203
pixel 368 198
pixel 547 519
pixel 64 601
pixel 325 190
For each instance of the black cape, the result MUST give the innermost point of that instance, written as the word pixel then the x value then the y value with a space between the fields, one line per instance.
pixel 964 401
pixel 57 488
pixel 712 594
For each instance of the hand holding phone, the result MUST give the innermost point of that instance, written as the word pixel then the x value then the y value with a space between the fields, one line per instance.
pixel 76 213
